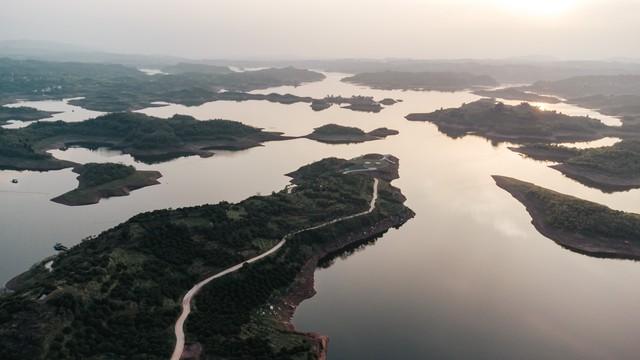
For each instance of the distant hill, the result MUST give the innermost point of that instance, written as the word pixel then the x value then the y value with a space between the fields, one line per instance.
pixel 54 51
pixel 440 81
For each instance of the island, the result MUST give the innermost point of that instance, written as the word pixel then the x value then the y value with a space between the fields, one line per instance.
pixel 578 225
pixel 518 94
pixel 125 293
pixel 432 81
pixel 517 124
pixel 320 104
pixel 358 103
pixel 101 181
pixel 389 101
pixel 355 103
pixel 337 134
pixel 612 168
pixel 22 113
pixel 146 138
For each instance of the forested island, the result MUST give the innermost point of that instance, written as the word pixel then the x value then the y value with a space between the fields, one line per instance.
pixel 146 138
pixel 355 103
pixel 581 226
pixel 101 181
pixel 612 168
pixel 22 113
pixel 519 124
pixel 337 134
pixel 117 295
pixel 435 81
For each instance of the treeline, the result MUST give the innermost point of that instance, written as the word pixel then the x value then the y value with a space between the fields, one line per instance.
pixel 94 174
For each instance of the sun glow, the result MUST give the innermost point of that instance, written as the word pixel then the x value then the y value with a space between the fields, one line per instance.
pixel 543 8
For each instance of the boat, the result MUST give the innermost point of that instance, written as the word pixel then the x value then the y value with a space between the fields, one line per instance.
pixel 14 181
pixel 60 247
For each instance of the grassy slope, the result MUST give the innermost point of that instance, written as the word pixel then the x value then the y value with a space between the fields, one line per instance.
pixel 98 181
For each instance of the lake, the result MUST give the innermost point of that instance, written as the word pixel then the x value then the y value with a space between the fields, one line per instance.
pixel 468 277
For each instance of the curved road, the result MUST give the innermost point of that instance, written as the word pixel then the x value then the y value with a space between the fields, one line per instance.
pixel 186 301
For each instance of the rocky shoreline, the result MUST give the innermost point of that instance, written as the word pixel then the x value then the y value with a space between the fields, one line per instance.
pixel 303 287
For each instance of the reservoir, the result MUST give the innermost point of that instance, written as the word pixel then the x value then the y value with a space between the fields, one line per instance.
pixel 468 269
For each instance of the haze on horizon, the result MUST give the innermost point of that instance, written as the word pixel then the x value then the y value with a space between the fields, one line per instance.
pixel 566 29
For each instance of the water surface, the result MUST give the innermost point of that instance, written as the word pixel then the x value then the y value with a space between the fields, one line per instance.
pixel 469 277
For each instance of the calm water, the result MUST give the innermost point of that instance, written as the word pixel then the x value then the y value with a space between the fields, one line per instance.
pixel 65 111
pixel 469 277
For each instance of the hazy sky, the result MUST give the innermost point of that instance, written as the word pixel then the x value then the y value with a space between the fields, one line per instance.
pixel 334 28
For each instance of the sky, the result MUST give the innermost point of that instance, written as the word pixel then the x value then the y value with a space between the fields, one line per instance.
pixel 566 29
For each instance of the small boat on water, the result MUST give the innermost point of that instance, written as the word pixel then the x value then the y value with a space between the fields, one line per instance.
pixel 60 247
pixel 14 181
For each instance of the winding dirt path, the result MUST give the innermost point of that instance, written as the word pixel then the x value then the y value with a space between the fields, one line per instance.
pixel 186 300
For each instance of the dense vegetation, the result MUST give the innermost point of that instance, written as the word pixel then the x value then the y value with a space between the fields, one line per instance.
pixel 333 133
pixel 105 180
pixel 146 138
pixel 581 225
pixel 333 129
pixel 18 153
pixel 119 88
pixel 94 174
pixel 117 295
pixel 521 123
pixel 441 81
pixel 22 113
pixel 608 168
pixel 621 159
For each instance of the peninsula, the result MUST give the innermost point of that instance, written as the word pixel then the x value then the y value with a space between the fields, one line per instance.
pixel 101 181
pixel 22 113
pixel 578 225
pixel 248 265
pixel 146 138
pixel 612 168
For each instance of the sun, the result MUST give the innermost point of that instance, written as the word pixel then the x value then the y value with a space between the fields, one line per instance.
pixel 540 8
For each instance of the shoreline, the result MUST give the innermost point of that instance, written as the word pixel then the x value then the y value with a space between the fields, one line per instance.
pixel 595 246
pixel 303 286
pixel 91 196
pixel 598 180
pixel 296 293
